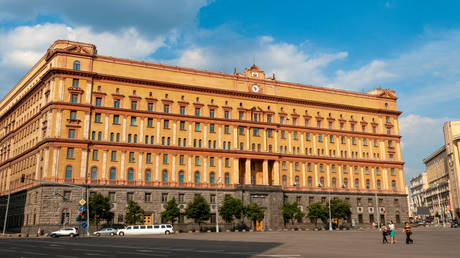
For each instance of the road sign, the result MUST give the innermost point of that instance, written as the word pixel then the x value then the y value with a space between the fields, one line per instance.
pixel 82 202
pixel 78 218
pixel 82 208
pixel 83 225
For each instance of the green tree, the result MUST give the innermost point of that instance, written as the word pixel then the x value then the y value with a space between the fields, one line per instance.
pixel 198 210
pixel 254 213
pixel 317 211
pixel 231 208
pixel 134 213
pixel 340 209
pixel 171 212
pixel 100 209
pixel 291 212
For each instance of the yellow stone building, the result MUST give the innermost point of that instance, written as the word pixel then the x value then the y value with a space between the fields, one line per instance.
pixel 117 124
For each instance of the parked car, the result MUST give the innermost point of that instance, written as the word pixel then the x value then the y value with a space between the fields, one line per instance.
pixel 165 229
pixel 106 231
pixel 71 232
pixel 454 224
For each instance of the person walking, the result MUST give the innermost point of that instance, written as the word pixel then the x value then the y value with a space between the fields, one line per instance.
pixel 384 230
pixel 392 228
pixel 408 230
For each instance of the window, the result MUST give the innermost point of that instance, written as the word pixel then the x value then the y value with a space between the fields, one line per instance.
pixel 165 124
pixel 165 158
pixel 148 158
pixel 73 115
pixel 71 134
pixel 211 178
pixel 241 130
pixel 294 121
pixel 321 181
pixel 133 105
pixel 345 182
pixel 393 184
pixel 269 132
pixel 226 129
pixel 166 108
pixel 197 160
pixel 147 197
pixel 211 162
pixel 116 103
pixel 182 110
pixel 197 111
pixel 133 121
pixel 95 154
pixel 330 125
pixel 76 65
pixel 97 118
pixel 129 196
pixel 241 115
pixel 94 173
pixel 318 124
pixel 70 152
pixel 310 181
pixel 147 175
pixel 181 177
pixel 197 127
pixel 113 156
pixel 307 136
pixel 282 120
pixel 211 128
pixel 131 157
pixel 297 181
pixel 227 162
pixel 164 176
pixel 118 137
pixel 75 82
pixel 197 177
pixel 321 168
pixel 297 167
pixel 283 165
pixel 269 118
pixel 181 160
pixel 116 119
pixel 284 180
pixel 150 107
pixel 320 137
pixel 74 98
pixel 227 178
pixel 379 185
pixel 68 172
pixel 334 182
pixel 393 172
pixel 364 141
pixel 295 136
pixel 98 101
pixel 283 134
pixel 255 131
pixel 113 173
pixel 150 122
pixel 211 113
pixel 226 114
pixel 353 140
pixel 368 184
pixel 356 183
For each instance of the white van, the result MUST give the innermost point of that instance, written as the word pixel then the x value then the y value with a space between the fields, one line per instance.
pixel 165 229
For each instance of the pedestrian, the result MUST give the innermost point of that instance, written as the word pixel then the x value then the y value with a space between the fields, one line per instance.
pixel 392 228
pixel 408 230
pixel 384 230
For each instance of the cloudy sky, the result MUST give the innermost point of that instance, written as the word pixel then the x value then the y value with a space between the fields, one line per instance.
pixel 410 46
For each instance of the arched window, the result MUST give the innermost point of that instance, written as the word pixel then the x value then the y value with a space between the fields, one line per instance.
pixel 345 182
pixel 118 137
pixel 227 178
pixel 113 173
pixel 93 135
pixel 284 180
pixel 297 181
pixel 129 138
pixel 321 181
pixel 310 181
pixel 164 176
pixel 130 174
pixel 393 184
pixel 181 176
pixel 368 184
pixel 76 65
pixel 148 175
pixel 68 172
pixel 94 173
pixel 99 136
pixel 334 182
pixel 379 185
pixel 211 178
pixel 197 177
pixel 111 137
pixel 356 183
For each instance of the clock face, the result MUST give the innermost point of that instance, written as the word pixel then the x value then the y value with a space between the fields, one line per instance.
pixel 255 88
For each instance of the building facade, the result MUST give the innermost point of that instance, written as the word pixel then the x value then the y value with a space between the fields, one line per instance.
pixel 452 143
pixel 418 186
pixel 150 132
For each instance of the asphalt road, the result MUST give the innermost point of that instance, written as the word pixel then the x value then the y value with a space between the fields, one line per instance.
pixel 268 244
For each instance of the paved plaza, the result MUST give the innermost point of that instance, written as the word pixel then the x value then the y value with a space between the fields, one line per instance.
pixel 428 243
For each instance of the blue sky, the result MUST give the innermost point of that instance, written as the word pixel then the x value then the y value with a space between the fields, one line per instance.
pixel 409 46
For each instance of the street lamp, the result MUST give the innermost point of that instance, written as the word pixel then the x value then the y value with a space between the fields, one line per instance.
pixel 217 208
pixel 329 200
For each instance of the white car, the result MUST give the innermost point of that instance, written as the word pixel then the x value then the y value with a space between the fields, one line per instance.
pixel 72 232
pixel 164 229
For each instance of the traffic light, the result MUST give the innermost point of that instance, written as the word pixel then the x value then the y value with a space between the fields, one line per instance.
pixel 23 177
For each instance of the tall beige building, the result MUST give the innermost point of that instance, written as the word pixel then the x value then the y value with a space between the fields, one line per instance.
pixel 452 145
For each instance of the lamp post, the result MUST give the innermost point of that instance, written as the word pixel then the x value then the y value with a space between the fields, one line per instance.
pixel 217 208
pixel 329 201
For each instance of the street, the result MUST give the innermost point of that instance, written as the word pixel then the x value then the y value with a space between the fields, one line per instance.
pixel 428 243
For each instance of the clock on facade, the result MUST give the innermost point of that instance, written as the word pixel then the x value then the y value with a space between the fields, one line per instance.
pixel 255 88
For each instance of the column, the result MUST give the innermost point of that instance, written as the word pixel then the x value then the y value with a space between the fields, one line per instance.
pixel 123 133
pixel 157 163
pixel 173 168
pixel 236 171
pixel 276 173
pixel 84 156
pixel 174 133
pixel 248 147
pixel 106 127
pixel 139 167
pixel 205 169
pixel 58 123
pixel 158 131
pixel 265 172
pixel 247 172
pixel 122 167
pixel 276 143
pixel 291 174
pixel 189 168
pixel 104 164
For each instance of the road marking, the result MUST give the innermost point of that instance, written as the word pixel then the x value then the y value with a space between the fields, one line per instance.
pixel 149 254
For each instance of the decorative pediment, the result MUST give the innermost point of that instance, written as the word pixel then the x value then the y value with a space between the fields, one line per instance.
pixel 78 49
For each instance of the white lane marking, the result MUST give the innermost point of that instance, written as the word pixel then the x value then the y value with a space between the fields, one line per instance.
pixel 149 254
